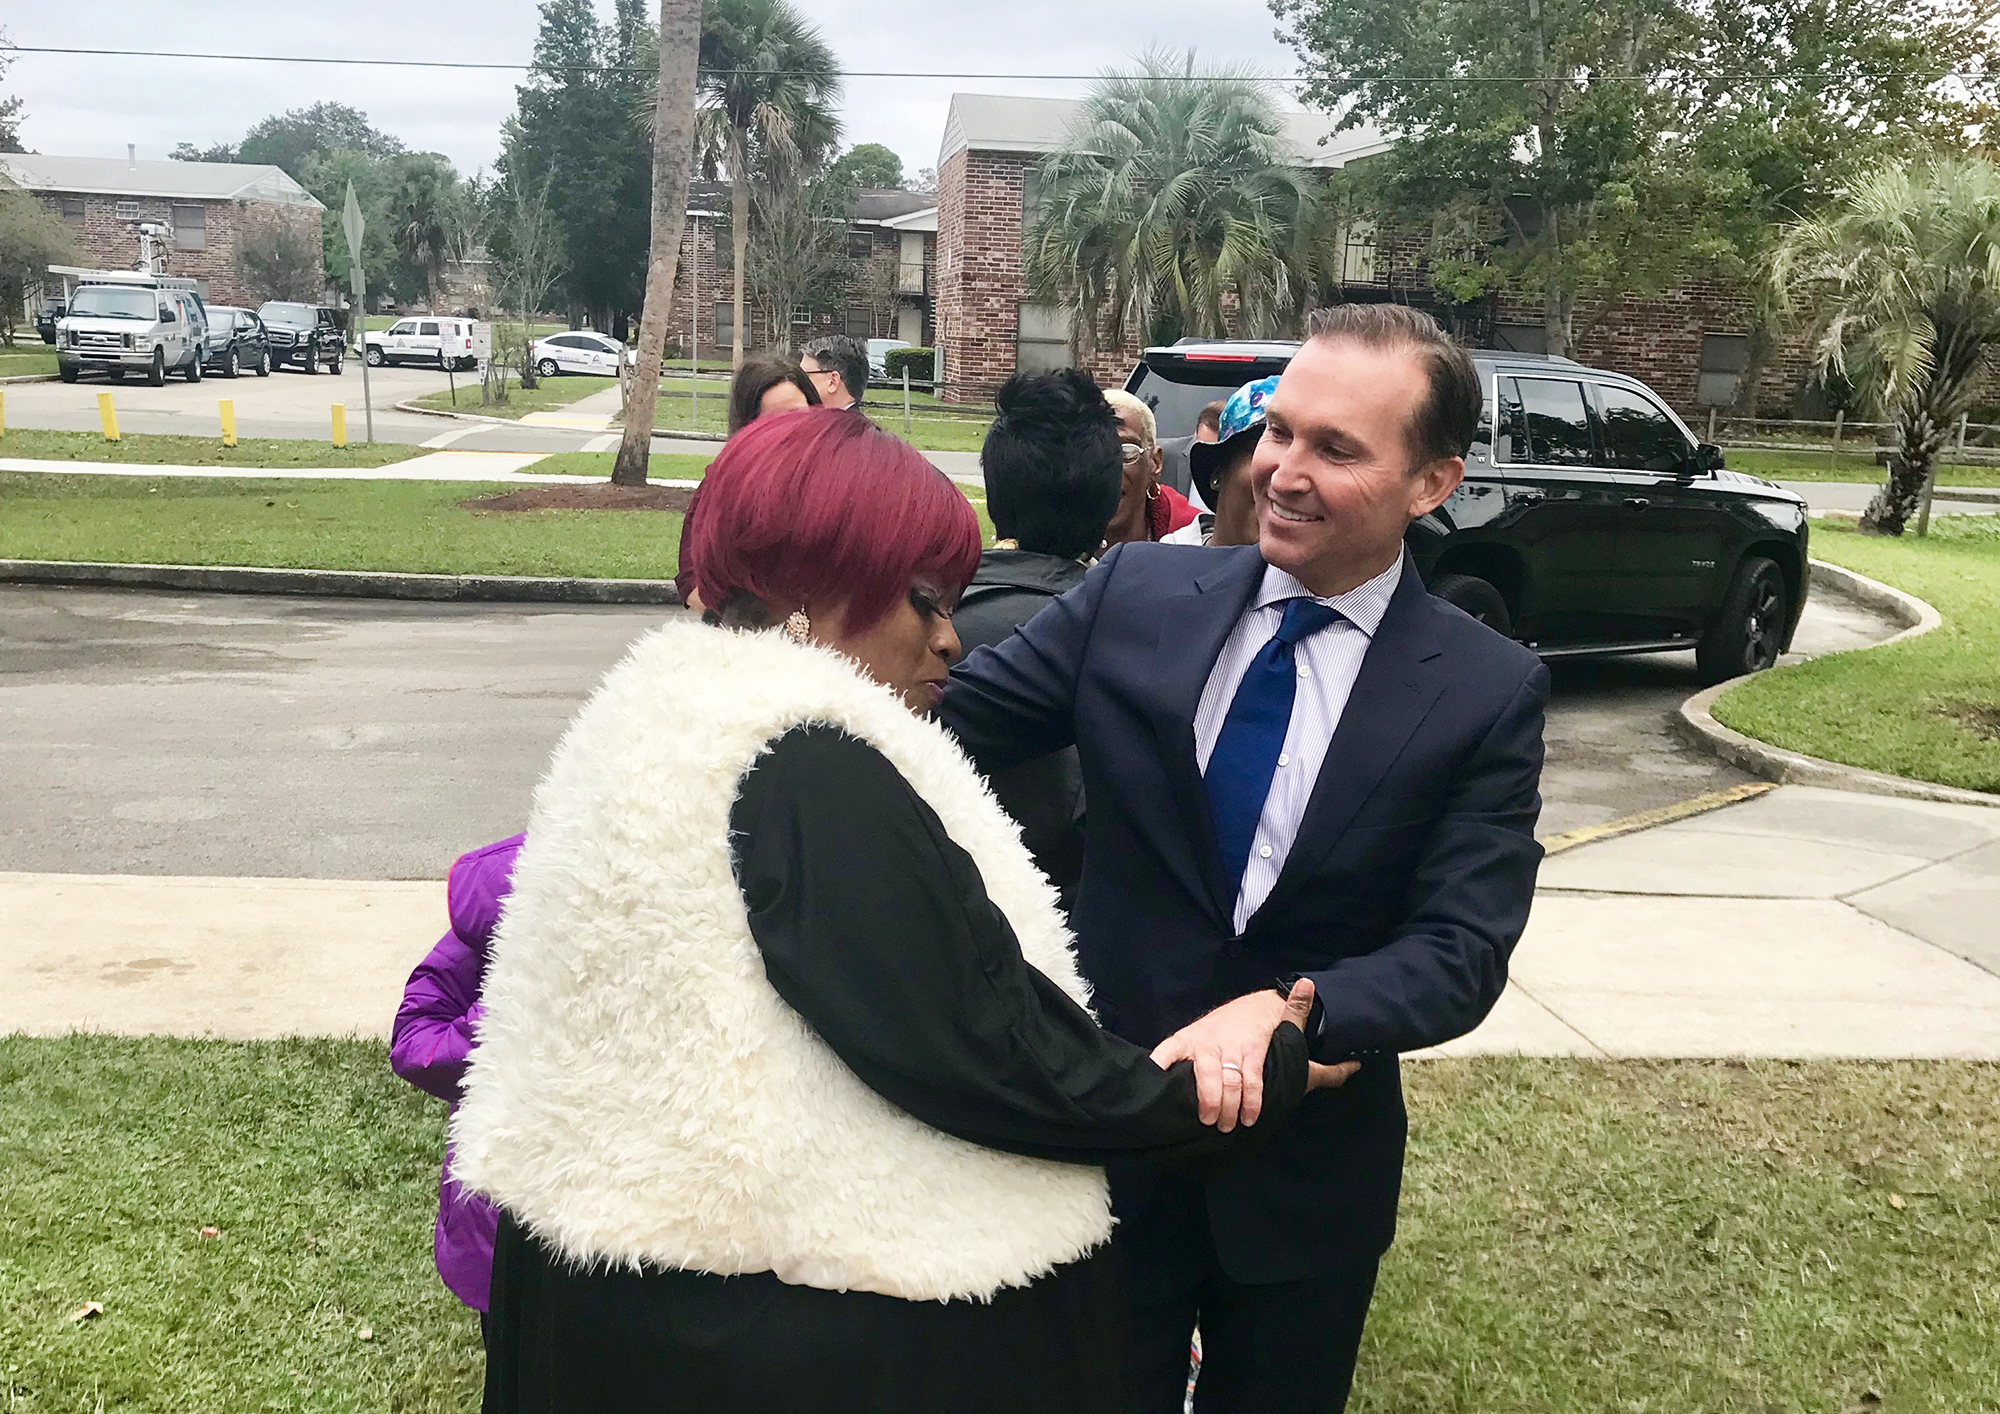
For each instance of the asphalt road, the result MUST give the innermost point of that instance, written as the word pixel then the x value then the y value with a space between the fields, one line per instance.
pixel 220 735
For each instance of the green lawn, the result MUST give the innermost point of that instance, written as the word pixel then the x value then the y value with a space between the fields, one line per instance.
pixel 1848 466
pixel 661 466
pixel 21 360
pixel 157 449
pixel 415 526
pixel 1928 708
pixel 546 396
pixel 1577 1237
pixel 940 432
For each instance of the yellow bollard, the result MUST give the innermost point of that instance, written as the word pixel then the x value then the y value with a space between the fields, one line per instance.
pixel 108 415
pixel 227 407
pixel 339 424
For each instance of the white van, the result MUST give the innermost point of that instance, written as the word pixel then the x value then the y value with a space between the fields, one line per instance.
pixel 123 321
pixel 426 338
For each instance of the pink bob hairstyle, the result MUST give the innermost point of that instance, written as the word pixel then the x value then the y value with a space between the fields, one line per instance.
pixel 822 506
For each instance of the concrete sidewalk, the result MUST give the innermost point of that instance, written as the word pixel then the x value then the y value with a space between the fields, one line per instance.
pixel 1803 923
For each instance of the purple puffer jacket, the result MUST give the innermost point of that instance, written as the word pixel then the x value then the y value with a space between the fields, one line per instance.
pixel 433 1036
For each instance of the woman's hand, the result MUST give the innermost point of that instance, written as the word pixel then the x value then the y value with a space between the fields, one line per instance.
pixel 1227 1047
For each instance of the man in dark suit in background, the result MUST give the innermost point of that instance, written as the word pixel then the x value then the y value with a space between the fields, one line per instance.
pixel 1298 763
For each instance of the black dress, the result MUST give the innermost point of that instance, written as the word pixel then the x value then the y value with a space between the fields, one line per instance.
pixel 876 929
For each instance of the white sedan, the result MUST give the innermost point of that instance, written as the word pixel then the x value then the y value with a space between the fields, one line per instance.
pixel 578 351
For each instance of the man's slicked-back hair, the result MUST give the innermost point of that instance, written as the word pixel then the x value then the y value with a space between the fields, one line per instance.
pixel 1052 463
pixel 1448 416
pixel 845 356
pixel 821 506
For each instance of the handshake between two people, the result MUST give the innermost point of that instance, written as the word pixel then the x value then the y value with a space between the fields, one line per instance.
pixel 1227 1048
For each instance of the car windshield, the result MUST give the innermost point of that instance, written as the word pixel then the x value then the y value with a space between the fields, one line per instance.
pixel 289 316
pixel 110 302
pixel 1179 392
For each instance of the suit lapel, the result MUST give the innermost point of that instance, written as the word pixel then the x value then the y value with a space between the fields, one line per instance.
pixel 1392 694
pixel 1194 625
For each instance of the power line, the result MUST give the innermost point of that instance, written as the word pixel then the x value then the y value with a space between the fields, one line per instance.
pixel 1779 76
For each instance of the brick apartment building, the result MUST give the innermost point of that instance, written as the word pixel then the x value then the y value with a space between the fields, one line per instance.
pixel 891 245
pixel 210 207
pixel 1690 343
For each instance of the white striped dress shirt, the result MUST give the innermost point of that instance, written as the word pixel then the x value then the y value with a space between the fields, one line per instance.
pixel 1328 662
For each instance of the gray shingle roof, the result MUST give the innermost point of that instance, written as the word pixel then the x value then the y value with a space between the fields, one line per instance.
pixel 993 122
pixel 177 181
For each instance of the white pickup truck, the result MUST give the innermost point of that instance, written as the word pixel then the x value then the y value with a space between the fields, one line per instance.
pixel 433 339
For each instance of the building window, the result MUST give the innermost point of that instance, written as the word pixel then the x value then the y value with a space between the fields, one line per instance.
pixel 1031 194
pixel 801 315
pixel 70 208
pixel 1041 343
pixel 1724 357
pixel 860 243
pixel 190 227
pixel 1357 257
pixel 725 322
pixel 860 322
pixel 128 211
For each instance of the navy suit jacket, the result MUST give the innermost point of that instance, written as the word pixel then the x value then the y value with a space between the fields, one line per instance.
pixel 1405 890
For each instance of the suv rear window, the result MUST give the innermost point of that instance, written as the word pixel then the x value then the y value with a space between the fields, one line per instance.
pixel 1177 389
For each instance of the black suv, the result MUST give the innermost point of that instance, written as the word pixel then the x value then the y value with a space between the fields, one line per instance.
pixel 52 309
pixel 236 342
pixel 1590 519
pixel 303 336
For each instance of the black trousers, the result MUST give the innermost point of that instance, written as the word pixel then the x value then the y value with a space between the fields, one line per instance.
pixel 1282 1348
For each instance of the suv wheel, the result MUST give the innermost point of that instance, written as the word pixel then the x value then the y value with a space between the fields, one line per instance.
pixel 232 367
pixel 374 356
pixel 263 363
pixel 546 368
pixel 157 374
pixel 310 363
pixel 1746 634
pixel 1477 598
pixel 336 365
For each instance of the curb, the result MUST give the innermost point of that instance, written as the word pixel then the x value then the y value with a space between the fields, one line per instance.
pixel 345 584
pixel 1982 495
pixel 28 378
pixel 1695 723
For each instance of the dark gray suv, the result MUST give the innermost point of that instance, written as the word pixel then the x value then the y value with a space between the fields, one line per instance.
pixel 1591 520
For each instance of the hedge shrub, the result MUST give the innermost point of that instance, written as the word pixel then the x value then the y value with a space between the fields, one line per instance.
pixel 920 362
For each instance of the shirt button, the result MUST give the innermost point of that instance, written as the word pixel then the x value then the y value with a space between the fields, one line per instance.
pixel 1264 852
pixel 1304 671
pixel 1284 758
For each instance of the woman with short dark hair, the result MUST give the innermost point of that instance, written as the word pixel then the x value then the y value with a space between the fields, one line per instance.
pixel 767 384
pixel 785 1084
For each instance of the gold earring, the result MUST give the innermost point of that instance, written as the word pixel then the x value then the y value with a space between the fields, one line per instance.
pixel 797 625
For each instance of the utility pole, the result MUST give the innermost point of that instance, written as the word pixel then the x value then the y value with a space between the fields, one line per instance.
pixel 352 226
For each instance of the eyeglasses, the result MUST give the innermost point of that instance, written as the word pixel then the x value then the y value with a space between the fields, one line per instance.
pixel 1129 452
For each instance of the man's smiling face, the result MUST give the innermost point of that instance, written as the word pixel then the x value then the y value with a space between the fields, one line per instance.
pixel 1333 474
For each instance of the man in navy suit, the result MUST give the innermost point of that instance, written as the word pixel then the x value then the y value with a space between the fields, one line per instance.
pixel 1297 764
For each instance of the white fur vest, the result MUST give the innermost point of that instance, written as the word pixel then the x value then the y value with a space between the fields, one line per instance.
pixel 641 1094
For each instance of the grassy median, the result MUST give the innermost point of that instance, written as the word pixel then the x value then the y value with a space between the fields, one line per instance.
pixel 27 360
pixel 157 449
pixel 1858 465
pixel 1577 1237
pixel 1929 707
pixel 416 526
pixel 548 395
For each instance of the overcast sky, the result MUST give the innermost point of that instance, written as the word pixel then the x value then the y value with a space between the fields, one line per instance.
pixel 94 106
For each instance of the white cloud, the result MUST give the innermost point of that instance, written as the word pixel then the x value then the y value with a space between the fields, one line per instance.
pixel 90 105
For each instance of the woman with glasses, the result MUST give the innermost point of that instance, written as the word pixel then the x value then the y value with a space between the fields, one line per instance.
pixel 1148 509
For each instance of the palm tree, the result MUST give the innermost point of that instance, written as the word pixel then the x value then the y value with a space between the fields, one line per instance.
pixel 1173 191
pixel 768 86
pixel 1901 275
pixel 426 215
pixel 673 152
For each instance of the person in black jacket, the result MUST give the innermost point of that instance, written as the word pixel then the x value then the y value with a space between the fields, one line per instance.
pixel 1053 472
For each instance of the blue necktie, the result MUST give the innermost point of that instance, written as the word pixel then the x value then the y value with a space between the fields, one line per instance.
pixel 1246 751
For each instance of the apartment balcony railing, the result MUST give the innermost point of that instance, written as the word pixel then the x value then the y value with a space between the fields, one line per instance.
pixel 912 278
